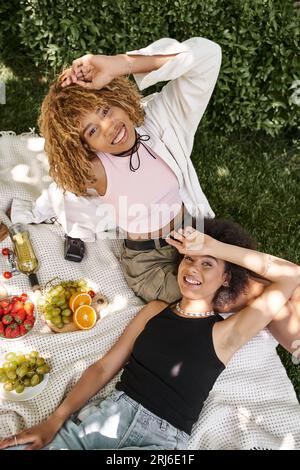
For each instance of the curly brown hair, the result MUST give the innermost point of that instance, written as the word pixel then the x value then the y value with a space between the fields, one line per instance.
pixel 60 124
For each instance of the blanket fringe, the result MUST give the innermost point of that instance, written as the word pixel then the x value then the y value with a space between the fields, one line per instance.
pixel 31 133
pixel 7 133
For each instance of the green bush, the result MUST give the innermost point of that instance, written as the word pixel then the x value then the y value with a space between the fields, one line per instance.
pixel 260 40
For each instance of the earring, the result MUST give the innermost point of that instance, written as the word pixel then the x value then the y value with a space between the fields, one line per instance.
pixel 226 284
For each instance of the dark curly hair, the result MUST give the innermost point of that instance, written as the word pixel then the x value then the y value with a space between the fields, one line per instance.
pixel 230 232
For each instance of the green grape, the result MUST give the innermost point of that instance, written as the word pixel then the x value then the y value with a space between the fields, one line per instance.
pixel 6 366
pixel 35 380
pixel 22 370
pixel 11 374
pixel 13 365
pixel 20 359
pixel 52 311
pixel 60 302
pixel 56 320
pixel 30 374
pixel 11 356
pixel 8 386
pixel 32 362
pixel 59 325
pixel 56 311
pixel 41 377
pixel 20 388
pixel 41 370
pixel 3 378
pixel 48 316
pixel 27 382
pixel 34 354
pixel 66 313
pixel 40 361
pixel 66 320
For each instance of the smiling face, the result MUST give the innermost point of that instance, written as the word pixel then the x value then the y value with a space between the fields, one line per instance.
pixel 199 277
pixel 108 129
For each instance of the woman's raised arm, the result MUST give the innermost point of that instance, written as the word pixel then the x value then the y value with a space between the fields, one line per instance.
pixel 96 71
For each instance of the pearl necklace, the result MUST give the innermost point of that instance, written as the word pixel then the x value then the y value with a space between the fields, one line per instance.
pixel 202 314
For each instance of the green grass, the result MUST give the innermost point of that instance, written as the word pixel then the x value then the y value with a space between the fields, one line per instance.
pixel 24 95
pixel 251 178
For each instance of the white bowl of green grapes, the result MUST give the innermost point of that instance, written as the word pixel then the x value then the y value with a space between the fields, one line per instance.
pixel 23 375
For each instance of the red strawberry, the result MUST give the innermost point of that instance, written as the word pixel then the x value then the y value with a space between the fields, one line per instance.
pixel 9 330
pixel 28 323
pixel 15 299
pixel 15 331
pixel 7 319
pixel 2 329
pixel 1 311
pixel 17 305
pixel 23 297
pixel 5 311
pixel 20 316
pixel 9 308
pixel 23 330
pixel 29 308
pixel 4 303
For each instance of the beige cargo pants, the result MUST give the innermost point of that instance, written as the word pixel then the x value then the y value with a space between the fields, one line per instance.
pixel 152 274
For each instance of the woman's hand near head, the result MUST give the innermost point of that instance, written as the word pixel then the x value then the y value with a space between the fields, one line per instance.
pixel 191 241
pixel 96 71
pixel 89 71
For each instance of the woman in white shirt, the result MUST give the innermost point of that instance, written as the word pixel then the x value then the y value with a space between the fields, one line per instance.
pixel 125 162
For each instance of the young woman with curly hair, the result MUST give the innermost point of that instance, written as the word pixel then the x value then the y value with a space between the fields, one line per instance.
pixel 171 354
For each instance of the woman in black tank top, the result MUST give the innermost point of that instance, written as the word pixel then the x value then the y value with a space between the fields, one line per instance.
pixel 171 354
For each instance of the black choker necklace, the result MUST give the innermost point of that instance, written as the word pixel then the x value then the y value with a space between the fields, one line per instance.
pixel 134 149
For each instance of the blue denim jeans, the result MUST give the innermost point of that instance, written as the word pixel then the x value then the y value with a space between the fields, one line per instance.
pixel 118 422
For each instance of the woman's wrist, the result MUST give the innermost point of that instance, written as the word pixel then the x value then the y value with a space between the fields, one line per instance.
pixel 122 65
pixel 58 417
pixel 128 64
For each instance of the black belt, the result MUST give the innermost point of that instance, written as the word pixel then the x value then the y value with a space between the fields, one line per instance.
pixel 145 244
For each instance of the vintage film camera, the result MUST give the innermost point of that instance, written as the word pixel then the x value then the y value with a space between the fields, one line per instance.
pixel 74 249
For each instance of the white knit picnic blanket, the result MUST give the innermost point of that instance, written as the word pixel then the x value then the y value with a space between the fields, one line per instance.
pixel 252 405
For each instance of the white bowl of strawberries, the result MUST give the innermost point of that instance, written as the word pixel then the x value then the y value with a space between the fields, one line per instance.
pixel 16 317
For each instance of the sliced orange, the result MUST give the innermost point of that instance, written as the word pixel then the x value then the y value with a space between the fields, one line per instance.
pixel 78 299
pixel 85 317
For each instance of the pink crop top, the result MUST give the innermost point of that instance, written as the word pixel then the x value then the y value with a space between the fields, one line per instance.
pixel 143 200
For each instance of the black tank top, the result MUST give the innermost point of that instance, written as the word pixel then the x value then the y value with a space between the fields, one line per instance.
pixel 173 367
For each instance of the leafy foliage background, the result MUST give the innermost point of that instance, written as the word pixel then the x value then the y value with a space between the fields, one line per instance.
pixel 260 40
